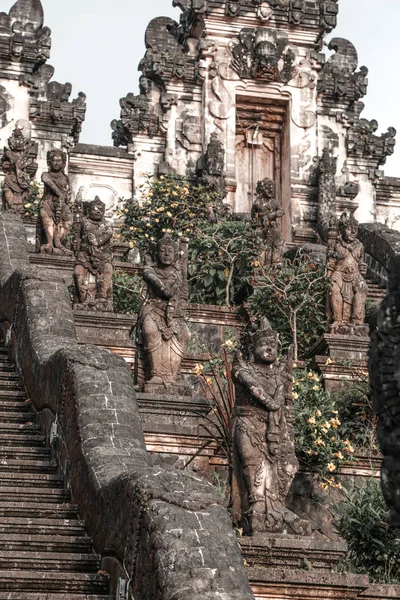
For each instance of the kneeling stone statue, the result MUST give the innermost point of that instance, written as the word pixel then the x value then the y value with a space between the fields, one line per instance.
pixel 264 457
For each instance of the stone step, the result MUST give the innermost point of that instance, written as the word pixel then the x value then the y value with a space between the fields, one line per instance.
pixel 10 393
pixel 291 552
pixel 10 382
pixel 21 437
pixel 27 480
pixel 88 583
pixel 18 406
pixel 46 596
pixel 49 561
pixel 8 375
pixel 8 367
pixel 30 542
pixel 24 453
pixel 52 527
pixel 17 428
pixel 37 510
pixel 26 465
pixel 16 417
pixel 28 494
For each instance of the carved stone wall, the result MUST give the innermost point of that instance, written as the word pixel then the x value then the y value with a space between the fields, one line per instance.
pixel 200 74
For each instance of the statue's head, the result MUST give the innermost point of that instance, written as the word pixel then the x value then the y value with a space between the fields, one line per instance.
pixel 260 343
pixel 56 160
pixel 96 209
pixel 167 250
pixel 17 141
pixel 266 189
pixel 348 227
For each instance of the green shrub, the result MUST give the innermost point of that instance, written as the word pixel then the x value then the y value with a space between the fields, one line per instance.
pixel 293 295
pixel 222 252
pixel 127 292
pixel 319 436
pixel 373 545
pixel 33 199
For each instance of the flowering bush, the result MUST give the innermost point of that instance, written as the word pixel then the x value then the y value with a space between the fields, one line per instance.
pixel 33 199
pixel 320 443
pixel 127 292
pixel 222 252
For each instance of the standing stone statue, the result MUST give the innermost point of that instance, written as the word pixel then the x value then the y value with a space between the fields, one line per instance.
pixel 264 457
pixel 346 267
pixel 162 332
pixel 265 214
pixel 93 262
pixel 19 167
pixel 55 216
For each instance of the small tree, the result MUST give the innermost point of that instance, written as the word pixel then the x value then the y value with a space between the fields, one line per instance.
pixel 293 295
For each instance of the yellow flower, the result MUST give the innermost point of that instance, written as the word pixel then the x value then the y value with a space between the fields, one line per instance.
pixel 335 423
pixel 208 380
pixel 318 413
pixel 180 234
pixel 229 344
pixel 329 361
pixel 198 370
pixel 331 467
pixel 295 395
pixel 169 214
pixel 174 193
pixel 311 420
pixel 316 388
pixel 339 455
pixel 310 375
pixel 327 425
pixel 28 205
pixel 319 442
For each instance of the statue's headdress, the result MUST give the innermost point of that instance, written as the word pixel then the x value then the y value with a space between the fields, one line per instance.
pixel 57 152
pixel 98 202
pixel 167 240
pixel 347 220
pixel 264 330
pixel 266 188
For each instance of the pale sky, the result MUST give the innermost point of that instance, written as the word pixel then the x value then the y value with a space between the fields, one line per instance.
pixel 97 46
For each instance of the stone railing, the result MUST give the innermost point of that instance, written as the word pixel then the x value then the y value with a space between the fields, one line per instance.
pixel 164 530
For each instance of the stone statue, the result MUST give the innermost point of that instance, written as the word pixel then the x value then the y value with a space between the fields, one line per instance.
pixel 346 267
pixel 264 457
pixel 265 213
pixel 93 263
pixel 162 332
pixel 19 167
pixel 55 216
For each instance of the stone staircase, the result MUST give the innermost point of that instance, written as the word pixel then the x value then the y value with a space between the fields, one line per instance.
pixel 45 553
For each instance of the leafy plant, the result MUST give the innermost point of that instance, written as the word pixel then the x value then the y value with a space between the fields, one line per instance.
pixel 319 436
pixel 127 292
pixel 222 252
pixel 215 378
pixel 221 260
pixel 373 545
pixel 293 295
pixel 354 404
pixel 33 199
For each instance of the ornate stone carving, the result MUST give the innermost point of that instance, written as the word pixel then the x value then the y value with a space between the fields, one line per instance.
pixel 327 166
pixel 55 219
pixel 329 12
pixel 345 270
pixel 265 213
pixel 339 81
pixel 19 167
pixel 297 10
pixel 263 54
pixel 211 166
pixel 162 332
pixel 93 257
pixel 138 115
pixel 264 457
pixel 362 141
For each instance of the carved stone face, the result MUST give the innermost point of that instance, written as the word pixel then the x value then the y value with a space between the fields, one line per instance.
pixel 166 254
pixel 56 162
pixel 96 211
pixel 350 233
pixel 266 348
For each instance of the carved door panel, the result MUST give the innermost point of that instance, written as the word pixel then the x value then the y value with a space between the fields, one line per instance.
pixel 257 156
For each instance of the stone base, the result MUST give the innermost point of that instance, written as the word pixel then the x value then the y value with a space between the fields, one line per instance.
pixel 350 330
pixel 174 389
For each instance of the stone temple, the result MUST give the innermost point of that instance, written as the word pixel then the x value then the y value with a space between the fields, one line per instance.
pixel 107 455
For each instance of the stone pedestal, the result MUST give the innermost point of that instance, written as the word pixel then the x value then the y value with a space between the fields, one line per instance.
pixel 346 352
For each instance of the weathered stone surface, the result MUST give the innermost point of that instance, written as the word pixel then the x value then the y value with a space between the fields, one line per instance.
pixel 129 506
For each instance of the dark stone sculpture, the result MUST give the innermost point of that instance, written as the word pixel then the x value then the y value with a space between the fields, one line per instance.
pixel 362 141
pixel 19 167
pixel 55 220
pixel 263 54
pixel 265 213
pixel 93 262
pixel 346 267
pixel 265 460
pixel 211 167
pixel 162 332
